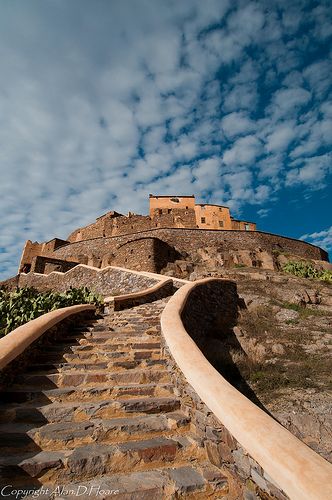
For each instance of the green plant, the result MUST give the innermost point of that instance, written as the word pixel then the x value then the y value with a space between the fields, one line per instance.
pixel 304 269
pixel 25 304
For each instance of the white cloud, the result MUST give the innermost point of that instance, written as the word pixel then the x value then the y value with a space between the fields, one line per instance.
pixel 244 151
pixel 318 75
pixel 235 124
pixel 206 173
pixel 101 105
pixel 322 239
pixel 312 171
pixel 240 97
pixel 281 137
pixel 263 212
pixel 286 101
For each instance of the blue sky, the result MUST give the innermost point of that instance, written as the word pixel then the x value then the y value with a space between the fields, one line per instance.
pixel 103 102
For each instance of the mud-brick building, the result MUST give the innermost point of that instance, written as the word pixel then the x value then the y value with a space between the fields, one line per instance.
pixel 187 213
pixel 177 229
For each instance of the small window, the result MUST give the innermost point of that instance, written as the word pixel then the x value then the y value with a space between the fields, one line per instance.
pixel 186 208
pixel 203 220
pixel 247 227
pixel 220 209
pixel 175 200
pixel 160 211
pixel 221 223
pixel 169 210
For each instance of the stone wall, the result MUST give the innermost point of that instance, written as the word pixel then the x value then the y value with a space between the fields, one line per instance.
pixel 109 226
pixel 12 283
pixel 137 254
pixel 210 308
pixel 148 254
pixel 46 265
pixel 32 250
pixel 188 241
pixel 107 281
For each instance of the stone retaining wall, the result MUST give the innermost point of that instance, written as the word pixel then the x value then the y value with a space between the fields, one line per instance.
pixel 234 430
pixel 210 307
pixel 107 281
pixel 222 448
pixel 188 241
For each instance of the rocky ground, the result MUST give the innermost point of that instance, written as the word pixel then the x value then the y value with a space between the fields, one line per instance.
pixel 281 350
pixel 286 334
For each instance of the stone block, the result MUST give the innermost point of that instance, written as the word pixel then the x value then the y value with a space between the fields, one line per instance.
pixel 187 479
pixel 242 463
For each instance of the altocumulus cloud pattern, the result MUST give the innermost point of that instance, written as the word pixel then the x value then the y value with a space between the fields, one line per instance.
pixel 103 102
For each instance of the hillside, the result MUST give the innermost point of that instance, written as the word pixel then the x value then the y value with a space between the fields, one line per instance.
pixel 280 353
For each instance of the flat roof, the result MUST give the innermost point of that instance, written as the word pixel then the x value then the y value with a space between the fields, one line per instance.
pixel 211 205
pixel 245 221
pixel 171 196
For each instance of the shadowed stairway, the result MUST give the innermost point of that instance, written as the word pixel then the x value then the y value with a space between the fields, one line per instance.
pixel 97 414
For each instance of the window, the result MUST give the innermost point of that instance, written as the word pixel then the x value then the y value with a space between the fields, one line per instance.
pixel 175 200
pixel 221 223
pixel 220 209
pixel 169 210
pixel 203 220
pixel 160 211
pixel 186 208
pixel 247 227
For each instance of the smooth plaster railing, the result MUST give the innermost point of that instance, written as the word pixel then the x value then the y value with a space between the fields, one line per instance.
pixel 296 469
pixel 16 342
pixel 138 297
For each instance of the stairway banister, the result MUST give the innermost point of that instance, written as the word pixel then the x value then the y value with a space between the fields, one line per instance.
pixel 16 342
pixel 294 467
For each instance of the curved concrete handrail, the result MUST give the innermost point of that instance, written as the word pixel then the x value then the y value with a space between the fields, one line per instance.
pixel 119 299
pixel 299 471
pixel 15 342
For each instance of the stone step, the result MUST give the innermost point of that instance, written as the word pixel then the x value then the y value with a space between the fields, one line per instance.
pixel 21 438
pixel 45 368
pixel 109 348
pixel 94 460
pixel 79 411
pixel 195 482
pixel 98 326
pixel 19 394
pixel 98 356
pixel 75 378
pixel 76 342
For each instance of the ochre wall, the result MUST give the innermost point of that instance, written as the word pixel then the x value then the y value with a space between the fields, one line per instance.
pixel 169 202
pixel 187 214
pixel 241 225
pixel 215 217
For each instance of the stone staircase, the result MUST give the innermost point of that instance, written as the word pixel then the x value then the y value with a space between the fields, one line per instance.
pixel 97 415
